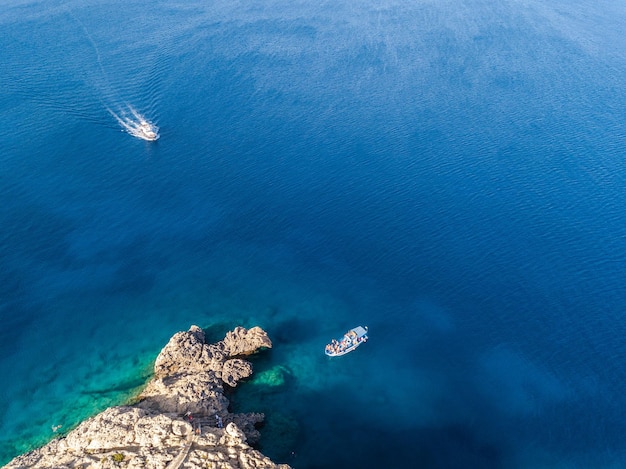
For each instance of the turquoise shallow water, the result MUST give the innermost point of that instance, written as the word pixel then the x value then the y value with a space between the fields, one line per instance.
pixel 448 173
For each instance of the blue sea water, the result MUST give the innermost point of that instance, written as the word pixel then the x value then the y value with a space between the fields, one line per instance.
pixel 449 173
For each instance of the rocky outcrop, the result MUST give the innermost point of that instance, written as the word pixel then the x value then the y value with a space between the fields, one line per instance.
pixel 242 342
pixel 181 418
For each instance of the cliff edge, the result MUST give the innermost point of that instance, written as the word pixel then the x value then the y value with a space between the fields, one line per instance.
pixel 181 418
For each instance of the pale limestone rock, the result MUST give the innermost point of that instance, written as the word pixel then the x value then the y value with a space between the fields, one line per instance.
pixel 253 459
pixel 181 354
pixel 157 431
pixel 234 370
pixel 199 393
pixel 247 423
pixel 181 428
pixel 234 432
pixel 242 342
pixel 113 428
pixel 152 430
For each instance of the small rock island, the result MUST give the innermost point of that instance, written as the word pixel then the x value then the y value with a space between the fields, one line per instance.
pixel 181 418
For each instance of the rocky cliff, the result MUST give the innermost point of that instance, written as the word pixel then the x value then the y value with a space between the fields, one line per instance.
pixel 180 420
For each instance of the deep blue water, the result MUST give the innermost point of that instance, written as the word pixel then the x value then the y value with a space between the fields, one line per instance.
pixel 449 173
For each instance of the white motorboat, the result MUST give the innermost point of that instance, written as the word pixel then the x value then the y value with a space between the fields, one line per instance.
pixel 137 125
pixel 146 131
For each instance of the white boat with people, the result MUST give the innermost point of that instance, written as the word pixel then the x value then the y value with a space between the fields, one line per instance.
pixel 349 342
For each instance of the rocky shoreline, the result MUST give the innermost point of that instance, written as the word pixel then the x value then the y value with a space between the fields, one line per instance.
pixel 181 418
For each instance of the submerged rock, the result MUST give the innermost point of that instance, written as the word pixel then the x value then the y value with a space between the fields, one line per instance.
pixel 181 418
pixel 274 378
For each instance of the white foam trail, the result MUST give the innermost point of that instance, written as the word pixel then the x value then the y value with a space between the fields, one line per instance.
pixel 90 39
pixel 137 125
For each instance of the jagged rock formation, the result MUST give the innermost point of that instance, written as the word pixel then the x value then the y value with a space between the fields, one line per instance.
pixel 181 419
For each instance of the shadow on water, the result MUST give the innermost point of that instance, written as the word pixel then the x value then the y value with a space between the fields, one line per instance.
pixel 288 331
pixel 31 235
pixel 136 269
pixel 34 232
pixel 357 437
pixel 129 387
pixel 131 279
pixel 297 431
pixel 16 312
pixel 216 331
pixel 293 330
pixel 16 318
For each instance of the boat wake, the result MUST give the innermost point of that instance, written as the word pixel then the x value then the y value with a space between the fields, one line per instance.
pixel 131 121
pixel 136 125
